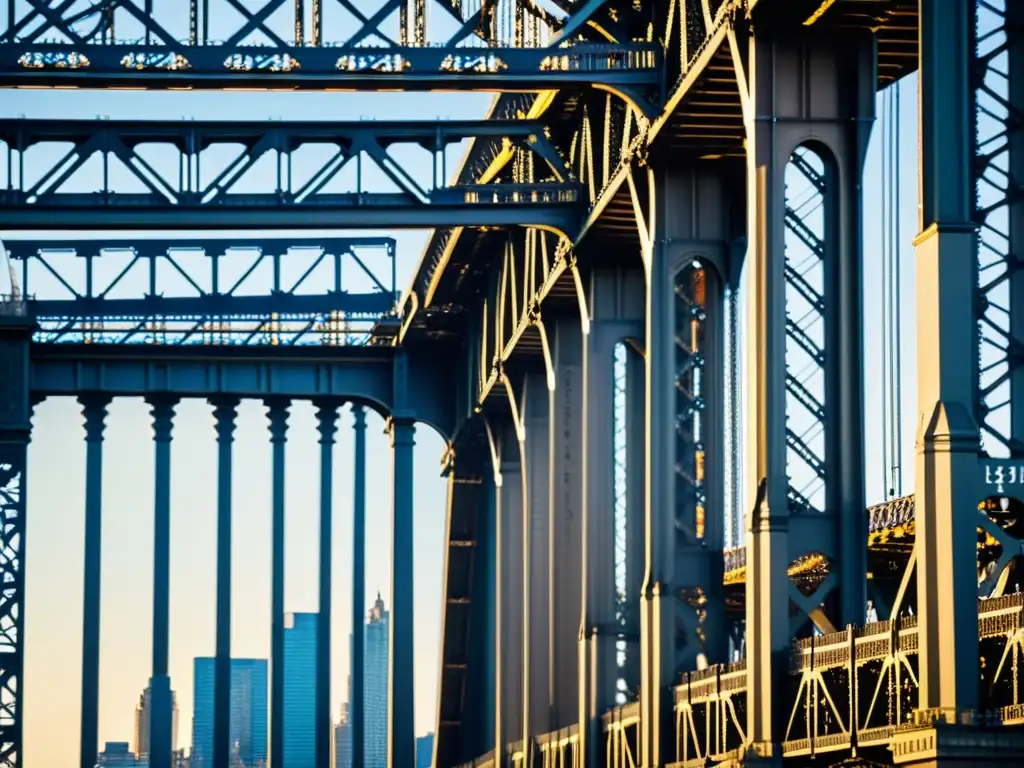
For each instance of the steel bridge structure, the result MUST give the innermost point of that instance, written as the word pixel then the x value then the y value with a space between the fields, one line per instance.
pixel 647 271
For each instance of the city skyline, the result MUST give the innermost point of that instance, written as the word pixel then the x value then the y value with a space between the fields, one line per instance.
pixel 300 635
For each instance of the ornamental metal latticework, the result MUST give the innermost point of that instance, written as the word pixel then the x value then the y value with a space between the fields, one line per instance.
pixel 192 175
pixel 999 148
pixel 620 432
pixel 207 291
pixel 12 529
pixel 690 331
pixel 328 44
pixel 805 331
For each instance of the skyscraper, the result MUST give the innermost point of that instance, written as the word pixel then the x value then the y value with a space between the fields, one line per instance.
pixel 424 751
pixel 248 722
pixel 143 713
pixel 343 740
pixel 375 682
pixel 300 690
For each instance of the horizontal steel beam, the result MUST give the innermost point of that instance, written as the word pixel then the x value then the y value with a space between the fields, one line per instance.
pixel 196 135
pixel 364 373
pixel 96 65
pixel 214 306
pixel 370 375
pixel 20 249
pixel 299 195
pixel 469 206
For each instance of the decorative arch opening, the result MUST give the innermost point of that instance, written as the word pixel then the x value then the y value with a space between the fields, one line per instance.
pixel 691 305
pixel 806 292
pixel 627 483
pixel 620 468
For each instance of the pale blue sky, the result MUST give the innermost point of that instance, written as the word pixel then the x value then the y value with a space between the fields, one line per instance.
pixel 57 463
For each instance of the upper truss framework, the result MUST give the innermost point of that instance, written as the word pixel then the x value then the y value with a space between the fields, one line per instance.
pixel 334 44
pixel 246 292
pixel 179 192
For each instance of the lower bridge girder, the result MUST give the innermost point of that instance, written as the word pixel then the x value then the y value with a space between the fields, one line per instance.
pixel 849 692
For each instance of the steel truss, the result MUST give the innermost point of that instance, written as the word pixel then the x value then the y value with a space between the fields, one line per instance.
pixel 207 291
pixel 490 45
pixel 805 331
pixel 177 193
pixel 999 208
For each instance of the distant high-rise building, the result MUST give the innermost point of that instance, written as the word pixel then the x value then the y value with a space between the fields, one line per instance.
pixel 343 740
pixel 143 713
pixel 117 754
pixel 424 751
pixel 300 690
pixel 248 722
pixel 375 682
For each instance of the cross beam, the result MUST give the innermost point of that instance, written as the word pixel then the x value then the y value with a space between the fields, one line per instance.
pixel 194 199
pixel 259 291
pixel 375 48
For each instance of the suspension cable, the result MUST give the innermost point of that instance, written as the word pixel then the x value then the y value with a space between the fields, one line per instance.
pixel 892 378
pixel 883 172
pixel 897 331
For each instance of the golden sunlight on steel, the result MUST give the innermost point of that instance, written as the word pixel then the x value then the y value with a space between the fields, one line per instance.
pixel 821 10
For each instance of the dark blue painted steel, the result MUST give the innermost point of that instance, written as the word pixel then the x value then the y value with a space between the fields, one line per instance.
pixel 343 68
pixel 94 409
pixel 224 412
pixel 15 432
pixel 277 413
pixel 161 707
pixel 401 714
pixel 356 714
pixel 183 295
pixel 229 201
pixel 327 420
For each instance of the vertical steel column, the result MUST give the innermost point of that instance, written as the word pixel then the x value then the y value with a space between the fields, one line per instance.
pixel 565 501
pixel 657 603
pixel 94 409
pixel 161 708
pixel 15 434
pixel 225 410
pixel 947 441
pixel 277 415
pixel 509 597
pixel 327 419
pixel 401 710
pixel 536 548
pixel 358 586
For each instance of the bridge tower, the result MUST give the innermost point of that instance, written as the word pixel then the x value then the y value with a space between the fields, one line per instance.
pixel 15 432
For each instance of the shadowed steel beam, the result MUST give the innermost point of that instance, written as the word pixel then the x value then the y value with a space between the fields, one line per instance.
pixel 94 409
pixel 497 205
pixel 429 133
pixel 161 705
pixel 356 699
pixel 220 305
pixel 225 411
pixel 345 68
pixel 401 712
pixel 327 418
pixel 277 415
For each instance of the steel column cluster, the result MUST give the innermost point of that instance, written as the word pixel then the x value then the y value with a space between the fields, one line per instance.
pixel 782 656
pixel 778 657
pixel 225 412
pixel 495 46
